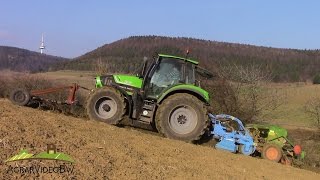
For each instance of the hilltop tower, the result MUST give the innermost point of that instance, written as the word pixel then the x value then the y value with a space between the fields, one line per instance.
pixel 42 47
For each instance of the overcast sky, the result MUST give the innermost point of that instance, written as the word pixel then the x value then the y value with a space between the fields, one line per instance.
pixel 74 27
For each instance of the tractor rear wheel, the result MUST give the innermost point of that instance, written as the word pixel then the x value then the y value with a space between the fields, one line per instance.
pixel 271 152
pixel 20 97
pixel 107 105
pixel 183 117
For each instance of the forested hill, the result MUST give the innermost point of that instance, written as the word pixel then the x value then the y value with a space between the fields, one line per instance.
pixel 17 59
pixel 125 56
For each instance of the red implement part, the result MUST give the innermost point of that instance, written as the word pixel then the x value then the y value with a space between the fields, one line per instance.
pixel 286 161
pixel 297 149
pixel 72 91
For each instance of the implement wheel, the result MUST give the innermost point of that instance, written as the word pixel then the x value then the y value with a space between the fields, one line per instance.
pixel 20 97
pixel 271 152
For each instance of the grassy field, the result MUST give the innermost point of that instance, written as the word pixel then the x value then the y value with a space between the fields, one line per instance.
pixel 84 78
pixel 291 112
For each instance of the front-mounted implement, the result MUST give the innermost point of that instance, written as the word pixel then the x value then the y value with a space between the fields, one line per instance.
pixel 166 93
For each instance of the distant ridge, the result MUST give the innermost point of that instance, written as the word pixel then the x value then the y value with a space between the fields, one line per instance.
pixel 17 59
pixel 125 55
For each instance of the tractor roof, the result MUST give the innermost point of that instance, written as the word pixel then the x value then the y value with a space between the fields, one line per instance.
pixel 180 58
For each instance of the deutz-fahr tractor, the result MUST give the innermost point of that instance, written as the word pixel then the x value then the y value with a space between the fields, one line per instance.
pixel 166 93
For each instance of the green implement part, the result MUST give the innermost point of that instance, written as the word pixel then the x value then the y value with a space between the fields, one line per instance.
pixel 275 134
pixel 272 139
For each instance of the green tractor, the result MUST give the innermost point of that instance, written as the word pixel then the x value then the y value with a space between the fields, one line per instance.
pixel 273 143
pixel 166 93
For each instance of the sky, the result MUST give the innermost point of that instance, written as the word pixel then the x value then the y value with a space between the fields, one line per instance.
pixel 74 27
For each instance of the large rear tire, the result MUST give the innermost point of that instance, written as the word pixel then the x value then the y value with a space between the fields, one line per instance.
pixel 271 152
pixel 106 105
pixel 20 97
pixel 183 117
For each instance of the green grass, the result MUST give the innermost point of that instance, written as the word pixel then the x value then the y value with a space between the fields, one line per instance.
pixel 291 113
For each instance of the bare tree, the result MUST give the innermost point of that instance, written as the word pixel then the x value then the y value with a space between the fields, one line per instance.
pixel 252 91
pixel 312 108
pixel 100 67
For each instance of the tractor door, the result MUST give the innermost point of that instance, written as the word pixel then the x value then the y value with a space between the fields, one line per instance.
pixel 165 74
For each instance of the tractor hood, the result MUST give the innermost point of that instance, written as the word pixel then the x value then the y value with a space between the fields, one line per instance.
pixel 128 80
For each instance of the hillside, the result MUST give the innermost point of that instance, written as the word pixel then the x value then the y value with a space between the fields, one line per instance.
pixel 125 55
pixel 102 151
pixel 17 59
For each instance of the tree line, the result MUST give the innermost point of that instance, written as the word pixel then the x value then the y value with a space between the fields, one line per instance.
pixel 17 59
pixel 125 56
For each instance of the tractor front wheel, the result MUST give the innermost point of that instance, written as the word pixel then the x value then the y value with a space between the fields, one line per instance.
pixel 271 152
pixel 183 117
pixel 107 105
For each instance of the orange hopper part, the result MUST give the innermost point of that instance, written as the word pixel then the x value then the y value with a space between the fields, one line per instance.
pixel 297 149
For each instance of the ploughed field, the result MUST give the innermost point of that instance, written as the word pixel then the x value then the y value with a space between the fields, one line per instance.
pixel 107 152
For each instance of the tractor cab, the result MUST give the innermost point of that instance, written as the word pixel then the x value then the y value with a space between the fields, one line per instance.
pixel 168 71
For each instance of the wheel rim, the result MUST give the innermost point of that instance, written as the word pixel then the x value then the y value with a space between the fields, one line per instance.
pixel 243 150
pixel 183 119
pixel 106 107
pixel 19 96
pixel 272 153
